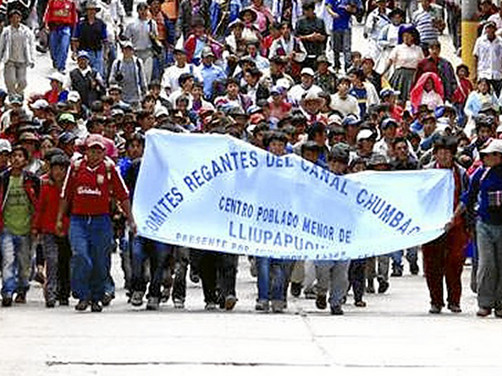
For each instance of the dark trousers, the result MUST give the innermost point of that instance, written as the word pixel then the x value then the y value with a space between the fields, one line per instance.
pixel 158 255
pixel 444 259
pixel 218 273
pixel 357 278
pixel 181 261
pixel 57 267
pixel 496 85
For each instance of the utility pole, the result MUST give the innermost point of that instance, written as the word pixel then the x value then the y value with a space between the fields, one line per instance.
pixel 469 32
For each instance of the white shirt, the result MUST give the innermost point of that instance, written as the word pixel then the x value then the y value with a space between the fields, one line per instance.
pixel 173 73
pixel 345 106
pixel 295 94
pixel 489 55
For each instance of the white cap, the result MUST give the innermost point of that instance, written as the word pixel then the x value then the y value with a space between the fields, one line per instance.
pixel 364 134
pixel 73 96
pixel 40 104
pixel 161 111
pixel 335 119
pixel 308 71
pixel 283 82
pixel 56 76
pixel 5 146
pixel 310 95
pixel 493 146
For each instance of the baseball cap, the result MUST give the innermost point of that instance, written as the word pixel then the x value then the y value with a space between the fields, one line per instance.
pixel 67 137
pixel 389 123
pixel 378 159
pixel 5 146
pixel 308 71
pixel 364 134
pixel 67 118
pixel 492 146
pixel 83 54
pixel 56 76
pixel 207 51
pixel 40 104
pixel 95 140
pixel 73 96
pixel 15 99
pixel 28 136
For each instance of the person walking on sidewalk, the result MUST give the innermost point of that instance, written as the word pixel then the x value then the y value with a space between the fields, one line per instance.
pixel 485 191
pixel 17 52
pixel 19 192
pixel 444 256
pixel 90 185
pixel 60 18
pixel 56 248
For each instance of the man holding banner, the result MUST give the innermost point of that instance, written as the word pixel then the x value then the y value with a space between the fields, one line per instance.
pixel 444 256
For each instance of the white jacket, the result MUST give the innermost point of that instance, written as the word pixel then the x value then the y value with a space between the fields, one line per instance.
pixel 5 41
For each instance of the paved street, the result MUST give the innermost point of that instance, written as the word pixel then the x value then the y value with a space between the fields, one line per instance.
pixel 394 335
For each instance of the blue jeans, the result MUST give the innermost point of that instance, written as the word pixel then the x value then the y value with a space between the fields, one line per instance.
pixel 59 43
pixel 96 61
pixel 16 263
pixel 158 254
pixel 90 238
pixel 271 278
pixel 342 43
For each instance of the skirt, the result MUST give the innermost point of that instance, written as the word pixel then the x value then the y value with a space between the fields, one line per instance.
pixel 401 80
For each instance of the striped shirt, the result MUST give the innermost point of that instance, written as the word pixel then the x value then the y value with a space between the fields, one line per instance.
pixel 423 21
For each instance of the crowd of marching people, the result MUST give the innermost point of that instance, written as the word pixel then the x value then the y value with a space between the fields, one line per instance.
pixel 282 75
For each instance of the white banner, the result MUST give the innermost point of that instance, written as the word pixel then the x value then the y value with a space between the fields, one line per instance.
pixel 218 193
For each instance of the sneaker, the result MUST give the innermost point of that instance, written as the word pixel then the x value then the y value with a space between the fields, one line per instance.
pixel 39 276
pixel 321 302
pixel 194 277
pixel 262 305
pixel 50 303
pixel 383 286
pixel 153 304
pixel 253 269
pixel 20 298
pixel 230 302
pixel 64 302
pixel 371 287
pixel 211 306
pixel 6 301
pixel 296 289
pixel 414 269
pixel 96 306
pixel 337 310
pixel 107 299
pixel 435 309
pixel 82 305
pixel 455 308
pixel 483 312
pixel 277 306
pixel 179 304
pixel 164 295
pixel 498 312
pixel 137 298
pixel 310 294
pixel 397 273
pixel 360 304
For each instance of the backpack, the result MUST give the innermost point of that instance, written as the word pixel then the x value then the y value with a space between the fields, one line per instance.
pixel 138 66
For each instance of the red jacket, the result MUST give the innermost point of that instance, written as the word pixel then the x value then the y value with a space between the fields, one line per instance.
pixel 89 190
pixel 60 12
pixel 46 212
